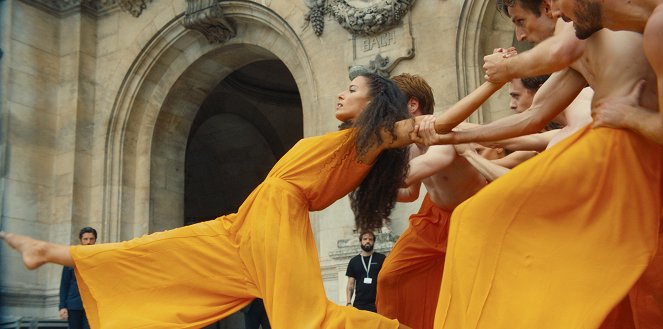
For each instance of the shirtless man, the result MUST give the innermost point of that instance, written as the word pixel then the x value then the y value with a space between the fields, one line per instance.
pixel 410 278
pixel 646 17
pixel 556 48
pixel 642 16
pixel 539 262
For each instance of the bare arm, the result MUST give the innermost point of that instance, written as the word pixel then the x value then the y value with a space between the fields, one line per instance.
pixel 551 55
pixel 488 169
pixel 551 99
pixel 533 142
pixel 409 193
pixel 460 111
pixel 514 159
pixel 625 112
pixel 404 129
pixel 350 290
pixel 434 159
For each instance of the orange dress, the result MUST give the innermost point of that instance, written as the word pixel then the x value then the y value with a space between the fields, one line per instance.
pixel 195 275
pixel 559 241
pixel 410 277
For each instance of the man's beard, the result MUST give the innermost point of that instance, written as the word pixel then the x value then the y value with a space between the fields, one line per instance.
pixel 367 247
pixel 591 19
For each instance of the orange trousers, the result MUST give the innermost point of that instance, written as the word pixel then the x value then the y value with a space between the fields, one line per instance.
pixel 192 276
pixel 409 281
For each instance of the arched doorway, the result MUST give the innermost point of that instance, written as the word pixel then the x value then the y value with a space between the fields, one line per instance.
pixel 169 93
pixel 243 127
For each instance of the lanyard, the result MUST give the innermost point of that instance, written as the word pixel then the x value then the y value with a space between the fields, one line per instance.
pixel 367 268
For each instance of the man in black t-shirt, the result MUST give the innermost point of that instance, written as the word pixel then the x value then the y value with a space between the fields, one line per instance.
pixel 362 274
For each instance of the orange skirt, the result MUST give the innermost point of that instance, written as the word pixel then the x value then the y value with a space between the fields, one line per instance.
pixel 559 241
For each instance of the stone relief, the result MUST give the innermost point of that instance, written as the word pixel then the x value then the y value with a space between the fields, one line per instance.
pixel 359 17
pixel 134 7
pixel 94 7
pixel 206 16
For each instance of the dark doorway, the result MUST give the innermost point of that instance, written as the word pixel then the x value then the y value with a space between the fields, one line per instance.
pixel 243 127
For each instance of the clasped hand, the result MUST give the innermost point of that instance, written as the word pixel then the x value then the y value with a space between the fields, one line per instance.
pixel 424 132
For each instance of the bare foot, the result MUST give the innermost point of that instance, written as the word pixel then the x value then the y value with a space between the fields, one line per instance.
pixel 31 250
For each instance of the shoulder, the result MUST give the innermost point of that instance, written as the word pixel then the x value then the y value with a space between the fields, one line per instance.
pixel 440 153
pixel 380 256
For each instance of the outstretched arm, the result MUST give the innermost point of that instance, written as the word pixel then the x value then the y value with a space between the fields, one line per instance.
pixel 404 129
pixel 533 142
pixel 624 112
pixel 551 55
pixel 488 169
pixel 551 99
pixel 514 159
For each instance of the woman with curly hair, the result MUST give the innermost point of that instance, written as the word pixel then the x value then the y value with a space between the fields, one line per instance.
pixel 195 275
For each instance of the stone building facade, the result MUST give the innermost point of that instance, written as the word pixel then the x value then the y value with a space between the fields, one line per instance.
pixel 135 116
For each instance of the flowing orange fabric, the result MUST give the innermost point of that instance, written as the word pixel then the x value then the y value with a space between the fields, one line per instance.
pixel 646 297
pixel 409 281
pixel 195 275
pixel 559 241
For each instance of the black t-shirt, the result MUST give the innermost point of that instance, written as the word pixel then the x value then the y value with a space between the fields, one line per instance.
pixel 365 292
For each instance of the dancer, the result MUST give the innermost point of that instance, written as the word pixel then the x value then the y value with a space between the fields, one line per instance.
pixel 409 282
pixel 557 242
pixel 195 275
pixel 642 16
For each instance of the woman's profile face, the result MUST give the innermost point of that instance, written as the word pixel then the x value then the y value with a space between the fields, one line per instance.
pixel 352 101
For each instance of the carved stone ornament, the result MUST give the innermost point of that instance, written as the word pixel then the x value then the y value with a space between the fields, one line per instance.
pixel 207 17
pixel 134 7
pixel 359 17
pixel 380 65
pixel 95 7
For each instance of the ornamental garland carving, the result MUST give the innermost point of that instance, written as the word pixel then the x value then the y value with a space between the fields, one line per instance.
pixel 359 17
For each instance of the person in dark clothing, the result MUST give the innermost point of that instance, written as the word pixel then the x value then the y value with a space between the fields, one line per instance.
pixel 362 274
pixel 255 315
pixel 71 305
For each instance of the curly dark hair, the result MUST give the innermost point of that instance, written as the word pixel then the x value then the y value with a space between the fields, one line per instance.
pixel 373 200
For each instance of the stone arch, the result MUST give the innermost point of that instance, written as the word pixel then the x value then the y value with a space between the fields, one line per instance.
pixel 481 28
pixel 159 97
